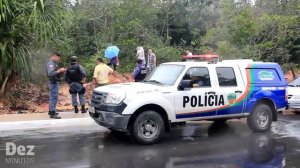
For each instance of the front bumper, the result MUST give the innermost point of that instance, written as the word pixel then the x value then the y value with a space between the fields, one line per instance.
pixel 294 104
pixel 111 120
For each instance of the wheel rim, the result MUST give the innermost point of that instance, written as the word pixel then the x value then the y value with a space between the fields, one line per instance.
pixel 148 128
pixel 262 119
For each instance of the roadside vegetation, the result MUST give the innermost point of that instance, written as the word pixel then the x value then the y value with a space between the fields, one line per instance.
pixel 265 30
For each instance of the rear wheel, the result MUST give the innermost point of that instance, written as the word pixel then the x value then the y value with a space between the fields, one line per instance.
pixel 260 119
pixel 148 127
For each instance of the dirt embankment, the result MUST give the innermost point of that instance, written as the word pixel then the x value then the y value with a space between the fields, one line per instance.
pixel 33 99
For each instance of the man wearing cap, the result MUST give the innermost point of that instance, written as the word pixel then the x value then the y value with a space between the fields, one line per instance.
pixel 75 76
pixel 54 76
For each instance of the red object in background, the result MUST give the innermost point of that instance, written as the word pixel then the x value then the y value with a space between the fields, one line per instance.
pixel 207 57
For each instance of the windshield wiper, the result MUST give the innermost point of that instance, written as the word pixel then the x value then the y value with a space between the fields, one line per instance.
pixel 154 81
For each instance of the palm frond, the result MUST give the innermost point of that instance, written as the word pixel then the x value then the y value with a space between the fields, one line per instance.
pixel 24 26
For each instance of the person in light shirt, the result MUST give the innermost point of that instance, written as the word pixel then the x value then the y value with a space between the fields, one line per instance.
pixel 101 73
pixel 140 54
pixel 151 60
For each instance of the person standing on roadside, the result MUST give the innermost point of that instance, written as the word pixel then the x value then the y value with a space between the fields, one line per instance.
pixel 140 54
pixel 75 76
pixel 151 60
pixel 54 74
pixel 114 62
pixel 101 73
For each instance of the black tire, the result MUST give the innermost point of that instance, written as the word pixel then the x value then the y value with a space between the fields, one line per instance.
pixel 148 127
pixel 260 119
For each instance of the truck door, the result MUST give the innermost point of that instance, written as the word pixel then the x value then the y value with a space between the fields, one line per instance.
pixel 231 88
pixel 198 100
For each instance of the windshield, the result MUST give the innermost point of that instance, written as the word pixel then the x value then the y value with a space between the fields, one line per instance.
pixel 295 82
pixel 165 74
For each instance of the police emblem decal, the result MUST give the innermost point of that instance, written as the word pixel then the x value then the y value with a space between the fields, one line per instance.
pixel 265 75
pixel 231 97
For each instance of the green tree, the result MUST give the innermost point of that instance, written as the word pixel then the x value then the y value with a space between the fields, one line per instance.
pixel 261 31
pixel 24 27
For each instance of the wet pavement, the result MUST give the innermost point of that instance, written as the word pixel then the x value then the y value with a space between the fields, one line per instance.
pixel 206 145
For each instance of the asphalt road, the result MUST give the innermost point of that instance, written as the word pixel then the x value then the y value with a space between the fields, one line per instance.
pixel 207 145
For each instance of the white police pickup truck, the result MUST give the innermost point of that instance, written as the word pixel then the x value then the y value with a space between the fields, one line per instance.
pixel 177 92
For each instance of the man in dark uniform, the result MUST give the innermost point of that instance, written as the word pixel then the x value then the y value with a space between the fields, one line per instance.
pixel 54 76
pixel 140 71
pixel 75 76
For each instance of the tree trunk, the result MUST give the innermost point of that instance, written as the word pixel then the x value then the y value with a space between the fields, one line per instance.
pixel 2 91
pixel 293 71
pixel 168 25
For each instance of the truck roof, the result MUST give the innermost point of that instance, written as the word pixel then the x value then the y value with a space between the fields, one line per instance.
pixel 240 62
pixel 186 63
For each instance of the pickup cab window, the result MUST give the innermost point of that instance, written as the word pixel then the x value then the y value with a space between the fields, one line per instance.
pixel 199 77
pixel 226 76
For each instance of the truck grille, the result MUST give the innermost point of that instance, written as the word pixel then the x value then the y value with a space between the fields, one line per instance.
pixel 98 98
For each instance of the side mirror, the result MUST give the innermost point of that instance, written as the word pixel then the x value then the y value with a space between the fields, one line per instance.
pixel 185 84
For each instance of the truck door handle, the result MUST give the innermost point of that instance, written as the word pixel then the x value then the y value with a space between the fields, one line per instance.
pixel 211 92
pixel 238 91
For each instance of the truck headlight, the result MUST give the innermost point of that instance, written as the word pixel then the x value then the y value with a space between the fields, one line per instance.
pixel 113 98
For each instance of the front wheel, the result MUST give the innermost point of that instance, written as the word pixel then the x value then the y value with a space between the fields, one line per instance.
pixel 148 127
pixel 260 119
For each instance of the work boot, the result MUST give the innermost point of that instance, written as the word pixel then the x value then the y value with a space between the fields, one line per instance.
pixel 76 109
pixel 52 113
pixel 83 109
pixel 55 116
